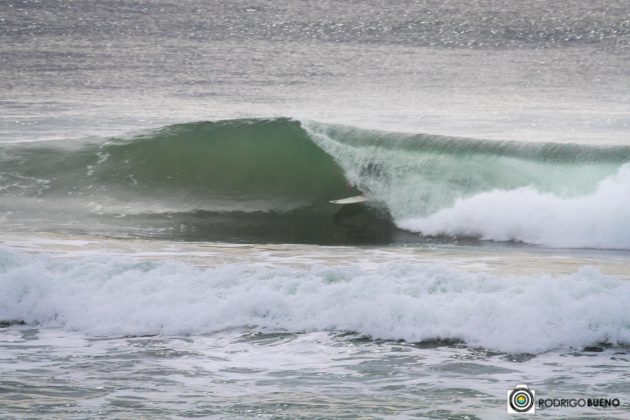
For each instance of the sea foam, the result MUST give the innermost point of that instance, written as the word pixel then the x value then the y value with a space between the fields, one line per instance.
pixel 597 220
pixel 112 295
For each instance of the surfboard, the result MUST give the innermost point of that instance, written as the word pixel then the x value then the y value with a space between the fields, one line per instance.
pixel 350 200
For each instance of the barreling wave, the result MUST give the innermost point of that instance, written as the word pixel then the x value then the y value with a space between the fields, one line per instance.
pixel 252 178
pixel 558 195
pixel 237 165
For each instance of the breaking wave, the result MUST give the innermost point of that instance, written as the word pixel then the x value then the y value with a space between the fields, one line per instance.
pixel 111 295
pixel 272 179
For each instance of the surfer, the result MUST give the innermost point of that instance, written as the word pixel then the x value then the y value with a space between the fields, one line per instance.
pixel 371 171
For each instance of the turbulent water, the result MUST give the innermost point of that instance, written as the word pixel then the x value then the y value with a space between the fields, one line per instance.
pixel 421 302
pixel 168 246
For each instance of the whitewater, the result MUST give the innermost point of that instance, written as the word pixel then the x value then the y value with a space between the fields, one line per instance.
pixel 400 329
pixel 419 302
pixel 168 245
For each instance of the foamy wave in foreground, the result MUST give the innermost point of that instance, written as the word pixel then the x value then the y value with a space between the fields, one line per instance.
pixel 598 220
pixel 111 295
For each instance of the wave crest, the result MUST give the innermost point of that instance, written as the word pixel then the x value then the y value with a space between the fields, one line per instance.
pixel 246 179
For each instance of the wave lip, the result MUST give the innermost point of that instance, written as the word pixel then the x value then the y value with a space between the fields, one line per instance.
pixel 556 195
pixel 260 180
pixel 415 302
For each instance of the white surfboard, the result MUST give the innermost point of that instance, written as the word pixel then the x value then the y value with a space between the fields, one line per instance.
pixel 350 200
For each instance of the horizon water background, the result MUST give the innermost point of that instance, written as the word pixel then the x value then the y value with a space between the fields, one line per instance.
pixel 167 245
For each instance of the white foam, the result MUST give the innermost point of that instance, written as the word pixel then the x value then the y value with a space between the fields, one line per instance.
pixel 598 220
pixel 112 295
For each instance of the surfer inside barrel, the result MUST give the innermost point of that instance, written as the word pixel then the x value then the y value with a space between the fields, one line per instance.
pixel 356 215
pixel 370 173
pixel 372 170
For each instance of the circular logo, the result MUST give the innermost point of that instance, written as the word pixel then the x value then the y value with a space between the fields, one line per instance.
pixel 521 399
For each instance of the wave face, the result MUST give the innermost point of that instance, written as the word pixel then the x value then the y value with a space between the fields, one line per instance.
pixel 259 180
pixel 236 165
pixel 251 180
pixel 110 295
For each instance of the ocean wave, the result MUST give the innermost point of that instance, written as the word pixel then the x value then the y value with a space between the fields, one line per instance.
pixel 200 175
pixel 111 295
pixel 234 165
